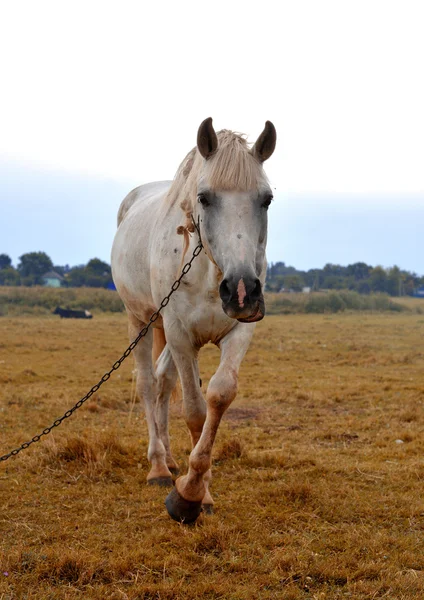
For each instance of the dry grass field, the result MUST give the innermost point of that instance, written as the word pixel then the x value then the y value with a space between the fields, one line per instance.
pixel 318 467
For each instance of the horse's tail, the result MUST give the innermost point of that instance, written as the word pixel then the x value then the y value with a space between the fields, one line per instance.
pixel 159 343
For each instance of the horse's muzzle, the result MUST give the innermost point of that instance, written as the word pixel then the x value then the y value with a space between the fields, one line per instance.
pixel 242 299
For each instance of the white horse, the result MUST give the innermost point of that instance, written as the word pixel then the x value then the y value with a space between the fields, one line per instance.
pixel 221 186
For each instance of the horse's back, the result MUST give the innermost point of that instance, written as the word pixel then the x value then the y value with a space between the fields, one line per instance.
pixel 132 254
pixel 140 193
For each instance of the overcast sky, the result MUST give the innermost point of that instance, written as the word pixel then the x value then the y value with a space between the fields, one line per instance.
pixel 98 97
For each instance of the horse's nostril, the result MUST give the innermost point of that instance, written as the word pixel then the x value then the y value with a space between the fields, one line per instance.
pixel 256 292
pixel 224 291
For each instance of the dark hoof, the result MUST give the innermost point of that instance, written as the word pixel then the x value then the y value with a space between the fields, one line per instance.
pixel 174 470
pixel 161 481
pixel 180 509
pixel 207 509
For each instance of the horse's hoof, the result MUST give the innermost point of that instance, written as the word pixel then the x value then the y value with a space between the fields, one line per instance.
pixel 207 509
pixel 161 481
pixel 174 470
pixel 180 509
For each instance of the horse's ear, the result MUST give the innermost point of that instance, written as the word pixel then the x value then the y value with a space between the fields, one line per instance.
pixel 207 142
pixel 265 144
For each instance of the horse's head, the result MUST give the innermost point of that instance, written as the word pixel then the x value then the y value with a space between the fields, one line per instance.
pixel 233 196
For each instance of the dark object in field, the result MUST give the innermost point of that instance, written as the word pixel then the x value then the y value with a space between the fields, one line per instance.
pixel 66 313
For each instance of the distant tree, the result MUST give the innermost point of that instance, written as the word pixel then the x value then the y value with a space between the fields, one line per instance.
pixel 274 284
pixel 5 261
pixel 61 270
pixel 314 279
pixel 378 279
pixel 364 286
pixel 409 283
pixel 293 282
pixel 335 270
pixel 98 267
pixel 274 269
pixel 359 270
pixel 349 282
pixel 76 277
pixel 96 273
pixel 32 266
pixel 333 282
pixel 394 282
pixel 9 276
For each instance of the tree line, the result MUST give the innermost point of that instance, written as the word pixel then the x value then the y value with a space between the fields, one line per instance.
pixel 359 277
pixel 32 266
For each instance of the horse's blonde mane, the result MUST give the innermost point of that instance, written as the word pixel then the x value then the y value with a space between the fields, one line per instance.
pixel 232 168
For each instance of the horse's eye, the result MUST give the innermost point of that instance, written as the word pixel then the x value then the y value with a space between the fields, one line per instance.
pixel 202 199
pixel 267 201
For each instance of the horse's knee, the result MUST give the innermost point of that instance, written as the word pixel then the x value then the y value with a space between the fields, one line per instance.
pixel 222 390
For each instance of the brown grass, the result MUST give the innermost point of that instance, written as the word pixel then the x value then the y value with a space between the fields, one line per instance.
pixel 318 475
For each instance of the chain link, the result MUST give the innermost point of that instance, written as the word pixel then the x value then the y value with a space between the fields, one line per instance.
pixel 120 360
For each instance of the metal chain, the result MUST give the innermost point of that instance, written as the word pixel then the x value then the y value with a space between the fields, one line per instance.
pixel 118 363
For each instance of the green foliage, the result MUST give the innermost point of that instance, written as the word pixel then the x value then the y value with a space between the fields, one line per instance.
pixel 5 261
pixel 33 265
pixel 279 304
pixel 98 267
pixel 335 302
pixel 394 282
pixel 9 276
pixel 293 282
pixel 316 304
pixel 332 302
pixel 358 277
pixel 95 274
pixel 378 280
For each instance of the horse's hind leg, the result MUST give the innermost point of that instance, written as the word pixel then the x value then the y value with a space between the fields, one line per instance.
pixel 166 379
pixel 146 389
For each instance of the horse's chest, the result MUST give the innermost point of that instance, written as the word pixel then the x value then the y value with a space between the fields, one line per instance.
pixel 206 319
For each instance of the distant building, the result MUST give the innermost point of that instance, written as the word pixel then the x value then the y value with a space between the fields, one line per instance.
pixel 306 290
pixel 419 292
pixel 52 279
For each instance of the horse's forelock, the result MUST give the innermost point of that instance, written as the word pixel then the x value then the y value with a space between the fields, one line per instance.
pixel 231 168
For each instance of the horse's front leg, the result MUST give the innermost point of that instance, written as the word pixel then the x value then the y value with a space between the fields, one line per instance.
pixel 194 405
pixel 185 501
